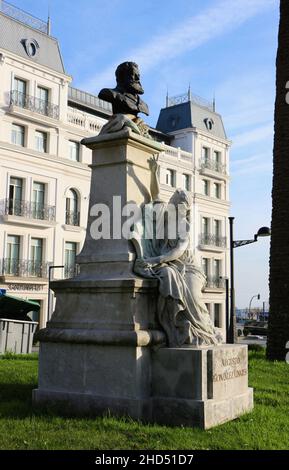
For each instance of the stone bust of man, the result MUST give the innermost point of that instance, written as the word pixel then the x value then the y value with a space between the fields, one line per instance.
pixel 125 98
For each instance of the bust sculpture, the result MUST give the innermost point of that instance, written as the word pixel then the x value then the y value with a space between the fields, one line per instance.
pixel 181 310
pixel 126 101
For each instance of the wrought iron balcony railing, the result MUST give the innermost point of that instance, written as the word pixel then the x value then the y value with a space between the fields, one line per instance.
pixel 26 18
pixel 71 270
pixel 23 268
pixel 72 218
pixel 215 282
pixel 29 210
pixel 213 240
pixel 213 165
pixel 34 104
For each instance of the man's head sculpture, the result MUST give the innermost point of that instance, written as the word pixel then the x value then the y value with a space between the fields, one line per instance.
pixel 125 97
pixel 128 78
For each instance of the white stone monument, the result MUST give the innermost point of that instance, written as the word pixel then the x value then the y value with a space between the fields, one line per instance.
pixel 105 348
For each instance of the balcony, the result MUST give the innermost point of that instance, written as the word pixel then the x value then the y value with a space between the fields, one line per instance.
pixel 88 101
pixel 36 105
pixel 208 165
pixel 212 242
pixel 215 282
pixel 71 270
pixel 84 120
pixel 11 268
pixel 72 218
pixel 26 212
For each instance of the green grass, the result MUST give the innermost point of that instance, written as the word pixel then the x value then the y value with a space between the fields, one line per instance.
pixel 267 427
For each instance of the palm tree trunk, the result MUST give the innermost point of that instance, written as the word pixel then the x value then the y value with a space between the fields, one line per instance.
pixel 279 255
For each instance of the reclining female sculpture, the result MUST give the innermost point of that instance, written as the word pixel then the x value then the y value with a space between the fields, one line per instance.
pixel 181 311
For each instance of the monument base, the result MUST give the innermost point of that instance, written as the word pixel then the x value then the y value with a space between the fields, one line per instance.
pixel 189 386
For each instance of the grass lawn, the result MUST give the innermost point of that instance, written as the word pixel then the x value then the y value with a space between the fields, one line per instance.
pixel 267 427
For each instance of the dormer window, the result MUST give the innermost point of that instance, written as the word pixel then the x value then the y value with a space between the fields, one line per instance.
pixel 209 123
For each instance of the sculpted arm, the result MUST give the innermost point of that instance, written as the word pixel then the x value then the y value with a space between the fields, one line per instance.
pixel 155 184
pixel 171 255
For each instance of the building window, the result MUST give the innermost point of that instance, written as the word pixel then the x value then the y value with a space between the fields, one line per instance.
pixel 43 94
pixel 70 259
pixel 41 141
pixel 186 182
pixel 217 156
pixel 205 265
pixel 74 151
pixel 170 177
pixel 38 208
pixel 217 315
pixel 206 187
pixel 19 94
pixel 72 213
pixel 205 226
pixel 35 262
pixel 217 269
pixel 15 196
pixel 12 255
pixel 18 135
pixel 20 85
pixel 217 228
pixel 43 100
pixel 205 153
pixel 217 190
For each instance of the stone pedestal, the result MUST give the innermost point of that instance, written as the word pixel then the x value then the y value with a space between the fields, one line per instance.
pixel 201 387
pixel 120 176
pixel 95 354
pixel 103 350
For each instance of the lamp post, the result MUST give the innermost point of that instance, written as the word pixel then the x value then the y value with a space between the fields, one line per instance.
pixel 258 297
pixel 262 232
pixel 226 279
pixel 49 280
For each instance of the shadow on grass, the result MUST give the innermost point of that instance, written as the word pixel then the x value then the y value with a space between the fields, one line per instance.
pixel 16 391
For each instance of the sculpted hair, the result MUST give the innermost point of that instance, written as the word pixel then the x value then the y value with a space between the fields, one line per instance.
pixel 123 70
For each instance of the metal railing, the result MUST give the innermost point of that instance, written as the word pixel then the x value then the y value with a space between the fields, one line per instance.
pixel 72 218
pixel 215 282
pixel 186 97
pixel 213 165
pixel 34 104
pixel 210 239
pixel 20 15
pixel 27 209
pixel 71 270
pixel 23 268
pixel 88 99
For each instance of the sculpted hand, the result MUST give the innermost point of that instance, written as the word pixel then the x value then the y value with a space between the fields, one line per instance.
pixel 153 162
pixel 143 264
pixel 154 261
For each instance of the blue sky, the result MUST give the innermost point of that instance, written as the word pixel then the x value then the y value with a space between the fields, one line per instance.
pixel 225 48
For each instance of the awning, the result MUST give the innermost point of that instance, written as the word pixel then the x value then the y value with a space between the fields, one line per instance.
pixel 16 308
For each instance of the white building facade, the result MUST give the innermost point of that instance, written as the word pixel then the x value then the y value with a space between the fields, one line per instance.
pixel 45 174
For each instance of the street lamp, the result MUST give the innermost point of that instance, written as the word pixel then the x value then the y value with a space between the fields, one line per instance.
pixel 262 232
pixel 49 280
pixel 258 297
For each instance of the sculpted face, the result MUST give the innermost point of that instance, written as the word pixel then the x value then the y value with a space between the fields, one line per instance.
pixel 128 78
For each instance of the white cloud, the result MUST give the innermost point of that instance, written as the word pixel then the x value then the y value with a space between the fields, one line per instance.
pixel 258 134
pixel 253 165
pixel 191 33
